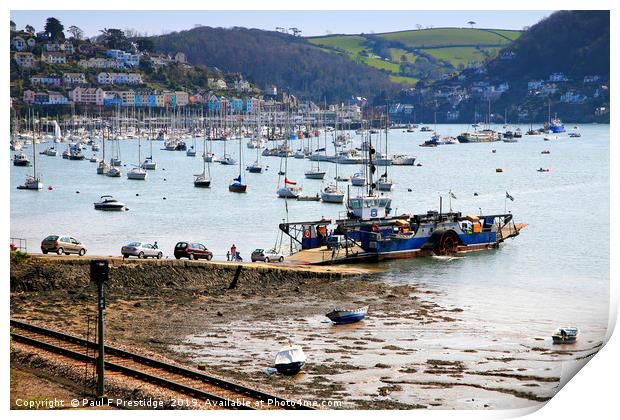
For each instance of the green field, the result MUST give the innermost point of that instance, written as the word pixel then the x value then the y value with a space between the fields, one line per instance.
pixel 442 37
pixel 456 46
pixel 404 79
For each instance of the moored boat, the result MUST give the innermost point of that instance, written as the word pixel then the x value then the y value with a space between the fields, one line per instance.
pixel 347 316
pixel 566 335
pixel 290 360
pixel 109 203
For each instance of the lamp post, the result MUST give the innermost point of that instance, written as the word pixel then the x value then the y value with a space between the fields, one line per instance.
pixel 99 274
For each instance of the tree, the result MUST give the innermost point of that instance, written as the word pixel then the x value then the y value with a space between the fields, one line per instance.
pixel 29 29
pixel 115 39
pixel 54 29
pixel 77 33
pixel 471 23
pixel 145 44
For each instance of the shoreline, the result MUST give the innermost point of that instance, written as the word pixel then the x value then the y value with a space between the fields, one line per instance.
pixel 406 354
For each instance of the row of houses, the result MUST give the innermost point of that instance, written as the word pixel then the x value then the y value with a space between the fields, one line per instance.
pixel 103 78
pixel 129 97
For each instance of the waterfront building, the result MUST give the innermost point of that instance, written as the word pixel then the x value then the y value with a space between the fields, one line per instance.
pixel 87 95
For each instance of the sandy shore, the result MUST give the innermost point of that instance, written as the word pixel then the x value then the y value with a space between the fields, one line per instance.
pixel 408 353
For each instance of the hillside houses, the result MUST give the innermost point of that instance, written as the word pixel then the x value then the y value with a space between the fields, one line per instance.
pixel 45 80
pixel 71 79
pixel 100 63
pixel 53 57
pixel 24 59
pixel 104 78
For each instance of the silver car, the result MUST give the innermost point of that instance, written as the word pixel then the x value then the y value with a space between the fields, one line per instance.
pixel 266 255
pixel 141 250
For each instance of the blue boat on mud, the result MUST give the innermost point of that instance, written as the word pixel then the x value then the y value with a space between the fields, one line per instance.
pixel 347 316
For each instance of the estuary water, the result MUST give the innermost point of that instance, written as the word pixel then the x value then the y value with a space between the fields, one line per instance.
pixel 556 273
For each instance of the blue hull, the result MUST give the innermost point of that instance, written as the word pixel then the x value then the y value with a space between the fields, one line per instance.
pixel 557 129
pixel 348 319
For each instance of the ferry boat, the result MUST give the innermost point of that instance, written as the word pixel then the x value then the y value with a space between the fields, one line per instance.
pixel 482 136
pixel 556 126
pixel 376 235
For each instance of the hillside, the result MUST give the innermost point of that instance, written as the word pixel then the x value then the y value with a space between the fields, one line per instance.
pixel 562 61
pixel 425 54
pixel 289 62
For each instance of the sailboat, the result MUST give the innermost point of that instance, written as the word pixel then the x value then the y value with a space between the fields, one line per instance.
pixel 384 183
pixel 149 164
pixel 331 193
pixel 33 182
pixel 103 167
pixel 203 180
pixel 257 167
pixel 314 172
pixel 290 188
pixel 137 172
pixel 237 185
pixel 192 150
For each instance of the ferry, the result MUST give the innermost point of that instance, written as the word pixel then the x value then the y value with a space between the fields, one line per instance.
pixel 377 235
pixel 556 126
pixel 483 136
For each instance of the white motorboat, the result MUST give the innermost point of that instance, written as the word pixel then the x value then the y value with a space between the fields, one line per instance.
pixel 31 183
pixel 290 360
pixel 109 203
pixel 382 159
pixel 384 183
pixel 358 180
pixel 93 158
pixel 20 159
pixel 149 164
pixel 94 147
pixel 403 160
pixel 191 151
pixel 331 194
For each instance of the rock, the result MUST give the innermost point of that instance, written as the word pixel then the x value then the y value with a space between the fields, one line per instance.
pixel 137 305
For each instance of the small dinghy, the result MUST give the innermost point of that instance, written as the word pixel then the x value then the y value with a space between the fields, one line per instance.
pixel 290 359
pixel 109 203
pixel 347 316
pixel 544 170
pixel 566 335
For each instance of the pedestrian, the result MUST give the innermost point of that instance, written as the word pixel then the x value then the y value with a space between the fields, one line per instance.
pixel 233 253
pixel 155 245
pixel 227 255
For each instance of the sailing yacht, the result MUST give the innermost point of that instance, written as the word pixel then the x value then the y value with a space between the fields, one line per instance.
pixel 237 184
pixel 137 172
pixel 203 180
pixel 103 167
pixel 33 182
pixel 149 164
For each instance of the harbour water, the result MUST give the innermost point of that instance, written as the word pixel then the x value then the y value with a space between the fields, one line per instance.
pixel 556 273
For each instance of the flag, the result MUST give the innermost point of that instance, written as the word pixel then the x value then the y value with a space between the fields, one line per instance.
pixel 510 197
pixel 286 181
pixel 451 194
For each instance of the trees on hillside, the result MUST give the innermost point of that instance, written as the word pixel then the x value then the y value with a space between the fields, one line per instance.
pixel 54 29
pixel 76 32
pixel 115 39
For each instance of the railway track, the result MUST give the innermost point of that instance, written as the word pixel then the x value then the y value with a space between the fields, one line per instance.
pixel 184 381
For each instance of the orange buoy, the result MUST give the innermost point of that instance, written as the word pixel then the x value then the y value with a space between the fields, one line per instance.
pixel 50 188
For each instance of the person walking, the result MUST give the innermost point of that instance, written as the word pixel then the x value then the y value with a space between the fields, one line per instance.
pixel 227 255
pixel 233 253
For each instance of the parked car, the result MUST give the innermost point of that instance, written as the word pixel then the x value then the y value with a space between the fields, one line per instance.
pixel 62 245
pixel 141 250
pixel 338 241
pixel 192 250
pixel 266 256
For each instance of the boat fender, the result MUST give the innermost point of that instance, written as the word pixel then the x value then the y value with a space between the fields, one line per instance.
pixel 50 188
pixel 375 228
pixel 164 198
pixel 126 208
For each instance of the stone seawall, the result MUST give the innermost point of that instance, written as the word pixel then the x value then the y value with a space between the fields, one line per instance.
pixel 53 273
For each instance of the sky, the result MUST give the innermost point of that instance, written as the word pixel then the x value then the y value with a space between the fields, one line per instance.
pixel 311 23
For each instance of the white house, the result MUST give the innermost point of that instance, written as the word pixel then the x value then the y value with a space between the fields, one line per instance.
pixel 53 57
pixel 71 79
pixel 535 84
pixel 180 58
pixel 104 78
pixel 591 78
pixel 68 47
pixel 52 47
pixel 87 95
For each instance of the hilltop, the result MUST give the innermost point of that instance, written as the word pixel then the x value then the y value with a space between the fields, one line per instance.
pixel 424 54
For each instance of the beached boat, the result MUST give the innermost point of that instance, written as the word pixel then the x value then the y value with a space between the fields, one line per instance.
pixel 290 360
pixel 347 316
pixel 109 203
pixel 567 335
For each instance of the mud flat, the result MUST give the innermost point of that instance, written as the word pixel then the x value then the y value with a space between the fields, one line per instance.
pixel 409 352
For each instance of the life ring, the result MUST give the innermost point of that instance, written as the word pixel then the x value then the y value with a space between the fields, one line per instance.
pixel 375 228
pixel 307 233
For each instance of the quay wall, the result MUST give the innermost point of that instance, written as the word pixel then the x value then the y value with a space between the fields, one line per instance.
pixel 36 274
